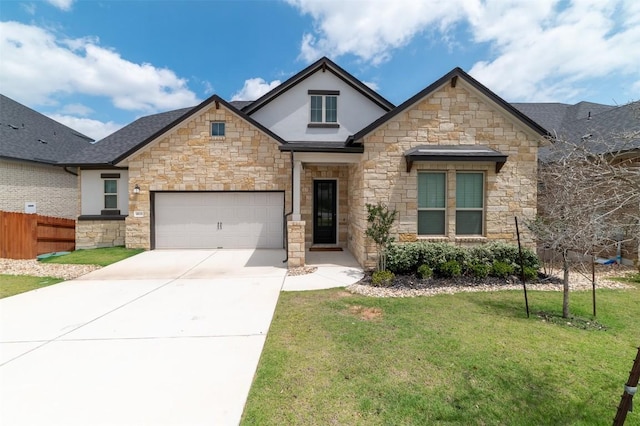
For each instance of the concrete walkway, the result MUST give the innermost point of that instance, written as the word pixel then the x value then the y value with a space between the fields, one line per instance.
pixel 162 338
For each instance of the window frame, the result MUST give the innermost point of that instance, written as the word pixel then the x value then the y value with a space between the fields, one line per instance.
pixel 106 194
pixel 443 209
pixel 480 209
pixel 323 96
pixel 218 124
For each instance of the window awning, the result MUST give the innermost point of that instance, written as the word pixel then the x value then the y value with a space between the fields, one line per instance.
pixel 454 153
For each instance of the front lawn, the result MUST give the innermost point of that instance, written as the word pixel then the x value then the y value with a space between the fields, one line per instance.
pixel 101 256
pixel 15 284
pixel 332 357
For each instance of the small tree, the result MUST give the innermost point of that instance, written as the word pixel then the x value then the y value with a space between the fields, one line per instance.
pixel 380 220
pixel 589 198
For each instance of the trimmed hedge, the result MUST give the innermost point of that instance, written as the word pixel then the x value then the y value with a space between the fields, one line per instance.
pixel 406 258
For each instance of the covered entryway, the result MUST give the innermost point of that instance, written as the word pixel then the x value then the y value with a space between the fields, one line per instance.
pixel 230 220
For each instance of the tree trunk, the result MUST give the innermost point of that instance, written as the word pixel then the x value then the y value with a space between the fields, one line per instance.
pixel 565 284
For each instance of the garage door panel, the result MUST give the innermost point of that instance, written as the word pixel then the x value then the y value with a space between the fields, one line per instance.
pixel 247 220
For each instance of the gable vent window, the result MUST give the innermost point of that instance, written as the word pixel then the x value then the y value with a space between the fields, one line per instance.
pixel 323 108
pixel 217 128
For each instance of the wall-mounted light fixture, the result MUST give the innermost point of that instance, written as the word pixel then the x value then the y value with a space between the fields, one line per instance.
pixel 136 189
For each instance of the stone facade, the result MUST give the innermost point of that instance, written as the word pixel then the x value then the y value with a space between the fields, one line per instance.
pixel 448 116
pixel 52 189
pixel 319 172
pixel 296 247
pixel 99 233
pixel 188 158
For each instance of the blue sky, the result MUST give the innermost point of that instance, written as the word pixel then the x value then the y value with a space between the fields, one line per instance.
pixel 98 65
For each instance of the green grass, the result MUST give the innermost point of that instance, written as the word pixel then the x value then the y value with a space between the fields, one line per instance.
pixel 101 256
pixel 15 284
pixel 470 358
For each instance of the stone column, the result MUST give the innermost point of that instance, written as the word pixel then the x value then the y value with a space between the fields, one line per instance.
pixel 295 245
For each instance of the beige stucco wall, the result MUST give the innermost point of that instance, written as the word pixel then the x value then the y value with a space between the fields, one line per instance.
pixel 449 116
pixel 321 172
pixel 189 159
pixel 52 189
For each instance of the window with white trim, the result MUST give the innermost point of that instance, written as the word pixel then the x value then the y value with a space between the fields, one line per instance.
pixel 469 203
pixel 432 189
pixel 110 194
pixel 323 107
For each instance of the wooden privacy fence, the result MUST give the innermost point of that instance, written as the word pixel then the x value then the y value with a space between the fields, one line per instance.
pixel 25 236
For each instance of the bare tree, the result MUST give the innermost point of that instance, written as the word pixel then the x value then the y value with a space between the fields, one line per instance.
pixel 589 198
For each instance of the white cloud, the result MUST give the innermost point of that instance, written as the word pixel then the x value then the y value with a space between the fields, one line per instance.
pixel 254 88
pixel 61 4
pixel 93 128
pixel 372 85
pixel 42 67
pixel 370 29
pixel 542 50
pixel 76 109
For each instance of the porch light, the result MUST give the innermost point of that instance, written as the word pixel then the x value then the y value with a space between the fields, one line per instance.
pixel 136 189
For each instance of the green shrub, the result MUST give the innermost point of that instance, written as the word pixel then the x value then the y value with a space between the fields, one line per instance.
pixel 479 270
pixel 382 278
pixel 425 272
pixel 449 269
pixel 530 274
pixel 406 258
pixel 501 269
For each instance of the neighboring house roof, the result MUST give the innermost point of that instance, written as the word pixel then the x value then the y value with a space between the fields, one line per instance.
pixel 554 116
pixel 322 64
pixel 451 77
pixel 28 135
pixel 597 128
pixel 121 144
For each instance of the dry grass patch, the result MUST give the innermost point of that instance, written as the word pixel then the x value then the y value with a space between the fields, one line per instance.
pixel 366 313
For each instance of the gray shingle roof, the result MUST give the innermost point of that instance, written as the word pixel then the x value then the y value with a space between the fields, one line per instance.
pixel 28 135
pixel 597 128
pixel 125 139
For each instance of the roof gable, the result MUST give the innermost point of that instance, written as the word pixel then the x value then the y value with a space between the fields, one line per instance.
pixel 31 136
pixel 450 78
pixel 324 64
pixel 125 142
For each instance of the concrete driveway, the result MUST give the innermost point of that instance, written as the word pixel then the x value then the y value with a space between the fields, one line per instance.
pixel 162 338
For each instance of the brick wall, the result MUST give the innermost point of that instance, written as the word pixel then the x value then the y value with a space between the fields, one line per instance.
pixel 52 189
pixel 189 159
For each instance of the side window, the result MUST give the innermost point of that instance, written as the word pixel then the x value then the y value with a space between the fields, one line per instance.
pixel 431 203
pixel 316 109
pixel 469 203
pixel 110 194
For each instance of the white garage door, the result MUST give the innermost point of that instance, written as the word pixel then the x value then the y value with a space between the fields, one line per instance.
pixel 218 219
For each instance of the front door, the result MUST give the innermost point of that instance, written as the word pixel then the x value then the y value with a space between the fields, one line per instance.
pixel 324 211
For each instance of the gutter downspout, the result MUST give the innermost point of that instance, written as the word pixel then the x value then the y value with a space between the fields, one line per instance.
pixel 286 232
pixel 69 171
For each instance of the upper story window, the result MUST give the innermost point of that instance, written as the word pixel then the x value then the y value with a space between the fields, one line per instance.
pixel 323 108
pixel 217 128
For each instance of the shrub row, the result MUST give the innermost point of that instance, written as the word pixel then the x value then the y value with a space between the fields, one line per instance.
pixel 447 260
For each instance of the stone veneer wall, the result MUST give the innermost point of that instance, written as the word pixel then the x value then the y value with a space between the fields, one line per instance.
pixel 190 159
pixel 52 189
pixel 99 233
pixel 317 172
pixel 449 116
pixel 295 247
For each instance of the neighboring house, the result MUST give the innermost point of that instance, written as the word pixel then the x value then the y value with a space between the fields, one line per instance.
pixel 596 129
pixel 296 168
pixel 31 146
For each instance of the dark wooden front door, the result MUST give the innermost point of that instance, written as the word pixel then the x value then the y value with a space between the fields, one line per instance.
pixel 324 212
